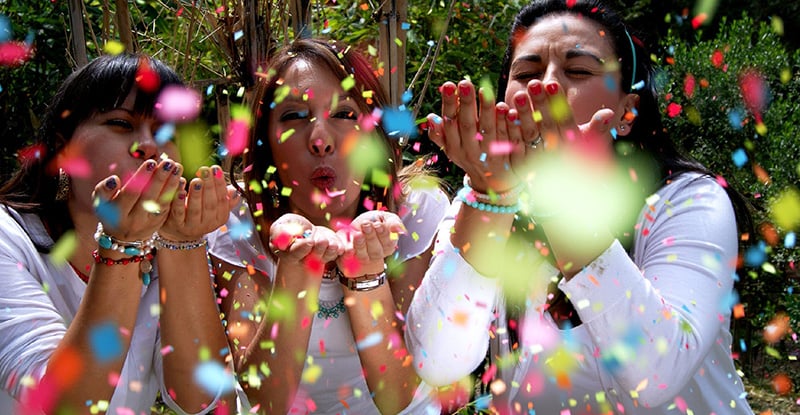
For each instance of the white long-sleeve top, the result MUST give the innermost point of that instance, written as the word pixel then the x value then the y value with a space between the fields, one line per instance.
pixel 341 387
pixel 38 301
pixel 654 337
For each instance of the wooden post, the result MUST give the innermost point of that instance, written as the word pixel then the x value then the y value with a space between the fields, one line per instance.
pixel 78 35
pixel 392 50
pixel 122 18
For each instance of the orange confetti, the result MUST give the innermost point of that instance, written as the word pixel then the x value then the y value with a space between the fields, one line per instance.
pixel 738 311
pixel 782 384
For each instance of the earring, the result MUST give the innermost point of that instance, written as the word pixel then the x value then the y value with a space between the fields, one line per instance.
pixel 622 127
pixel 62 190
pixel 274 195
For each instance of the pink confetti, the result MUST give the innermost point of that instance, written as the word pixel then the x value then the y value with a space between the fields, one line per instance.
pixel 501 147
pixel 236 137
pixel 689 85
pixel 178 104
pixel 13 54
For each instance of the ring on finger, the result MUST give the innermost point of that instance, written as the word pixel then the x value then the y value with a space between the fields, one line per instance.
pixel 536 142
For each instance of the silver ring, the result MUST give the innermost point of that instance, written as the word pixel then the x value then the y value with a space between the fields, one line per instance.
pixel 536 142
pixel 483 132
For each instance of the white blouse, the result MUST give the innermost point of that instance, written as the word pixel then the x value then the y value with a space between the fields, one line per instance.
pixel 654 337
pixel 341 387
pixel 38 301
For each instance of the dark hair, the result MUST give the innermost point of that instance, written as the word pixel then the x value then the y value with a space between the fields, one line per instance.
pixel 100 86
pixel 647 147
pixel 342 62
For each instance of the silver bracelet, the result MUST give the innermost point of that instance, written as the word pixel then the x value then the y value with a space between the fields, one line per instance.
pixel 161 242
pixel 366 282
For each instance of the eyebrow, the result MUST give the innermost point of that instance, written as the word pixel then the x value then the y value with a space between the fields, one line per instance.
pixel 572 53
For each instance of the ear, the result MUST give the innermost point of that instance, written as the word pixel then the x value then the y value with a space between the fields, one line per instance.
pixel 627 114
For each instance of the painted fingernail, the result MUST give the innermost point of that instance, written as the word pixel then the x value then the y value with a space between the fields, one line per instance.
pixel 111 183
pixel 182 196
pixel 552 89
pixel 198 186
pixel 167 166
pixel 502 110
pixel 463 90
pixel 176 171
pixel 535 89
pixel 436 119
pixel 448 90
pixel 204 173
pixel 150 165
pixel 520 100
pixel 216 171
pixel 512 116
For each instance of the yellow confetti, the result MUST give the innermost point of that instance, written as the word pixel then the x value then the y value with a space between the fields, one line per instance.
pixel 286 134
pixel 113 47
pixel 348 83
pixel 311 373
pixel 64 248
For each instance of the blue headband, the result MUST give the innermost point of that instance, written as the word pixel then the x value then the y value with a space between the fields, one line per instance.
pixel 634 85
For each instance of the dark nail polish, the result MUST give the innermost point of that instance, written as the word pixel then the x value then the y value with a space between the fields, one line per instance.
pixel 111 183
pixel 168 166
pixel 552 89
pixel 198 186
pixel 151 165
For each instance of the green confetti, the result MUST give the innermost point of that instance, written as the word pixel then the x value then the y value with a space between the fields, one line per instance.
pixel 785 209
pixel 286 134
pixel 348 83
pixel 64 248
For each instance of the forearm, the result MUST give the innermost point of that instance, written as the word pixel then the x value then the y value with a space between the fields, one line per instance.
pixel 271 366
pixel 381 348
pixel 482 238
pixel 190 325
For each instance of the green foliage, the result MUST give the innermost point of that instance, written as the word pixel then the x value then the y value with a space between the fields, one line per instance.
pixel 716 122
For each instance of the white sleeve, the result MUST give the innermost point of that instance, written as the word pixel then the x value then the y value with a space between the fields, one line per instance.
pixel 448 319
pixel 31 326
pixel 672 300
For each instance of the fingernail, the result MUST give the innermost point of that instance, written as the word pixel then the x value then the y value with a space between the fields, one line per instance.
pixel 366 228
pixel 448 90
pixel 150 165
pixel 167 166
pixel 437 119
pixel 536 89
pixel 512 116
pixel 111 183
pixel 463 90
pixel 552 89
pixel 181 195
pixel 198 186
pixel 204 173
pixel 216 171
pixel 520 100
pixel 502 110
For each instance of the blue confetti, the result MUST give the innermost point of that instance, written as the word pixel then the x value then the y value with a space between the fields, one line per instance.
pixel 108 213
pixel 165 133
pixel 407 95
pixel 213 378
pixel 210 89
pixel 790 240
pixel 742 345
pixel 611 83
pixel 5 29
pixel 399 123
pixel 370 340
pixel 405 26
pixel 614 133
pixel 756 254
pixel 735 117
pixel 739 157
pixel 238 34
pixel 240 231
pixel 105 342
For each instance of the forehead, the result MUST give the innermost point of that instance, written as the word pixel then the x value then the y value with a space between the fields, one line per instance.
pixel 559 33
pixel 304 74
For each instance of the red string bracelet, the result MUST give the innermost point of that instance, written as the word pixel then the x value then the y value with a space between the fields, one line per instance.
pixel 144 263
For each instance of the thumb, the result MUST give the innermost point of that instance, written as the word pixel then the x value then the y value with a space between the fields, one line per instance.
pixel 103 195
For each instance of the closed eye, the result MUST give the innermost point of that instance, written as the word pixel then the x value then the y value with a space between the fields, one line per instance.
pixel 345 113
pixel 293 115
pixel 120 123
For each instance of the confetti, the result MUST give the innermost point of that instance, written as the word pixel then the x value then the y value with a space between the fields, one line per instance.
pixel 213 377
pixel 178 104
pixel 105 342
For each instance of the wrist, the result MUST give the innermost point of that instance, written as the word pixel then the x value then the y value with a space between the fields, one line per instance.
pixel 365 282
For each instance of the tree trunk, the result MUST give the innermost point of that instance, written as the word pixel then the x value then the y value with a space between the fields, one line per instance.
pixel 392 49
pixel 78 35
pixel 123 19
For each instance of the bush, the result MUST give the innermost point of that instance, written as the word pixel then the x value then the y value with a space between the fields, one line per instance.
pixel 738 95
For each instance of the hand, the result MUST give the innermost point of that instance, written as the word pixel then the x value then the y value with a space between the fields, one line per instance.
pixel 204 208
pixel 483 146
pixel 141 206
pixel 294 239
pixel 369 239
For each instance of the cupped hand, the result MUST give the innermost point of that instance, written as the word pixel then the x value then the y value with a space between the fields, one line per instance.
pixel 133 211
pixel 202 209
pixel 482 142
pixel 296 240
pixel 370 238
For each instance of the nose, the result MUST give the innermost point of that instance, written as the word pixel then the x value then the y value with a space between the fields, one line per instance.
pixel 321 143
pixel 146 147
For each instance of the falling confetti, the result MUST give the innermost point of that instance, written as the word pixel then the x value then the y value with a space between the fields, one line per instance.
pixel 178 104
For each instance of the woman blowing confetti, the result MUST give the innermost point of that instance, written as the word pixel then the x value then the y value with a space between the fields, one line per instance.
pixel 592 260
pixel 107 294
pixel 316 320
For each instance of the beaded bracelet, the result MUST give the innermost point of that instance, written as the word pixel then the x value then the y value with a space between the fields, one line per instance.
pixel 162 242
pixel 145 266
pixel 131 248
pixel 467 196
pixel 493 197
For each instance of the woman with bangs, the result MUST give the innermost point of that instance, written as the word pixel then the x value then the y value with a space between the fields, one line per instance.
pixel 587 268
pixel 318 266
pixel 107 296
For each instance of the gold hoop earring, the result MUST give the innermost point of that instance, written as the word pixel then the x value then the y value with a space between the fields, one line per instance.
pixel 62 190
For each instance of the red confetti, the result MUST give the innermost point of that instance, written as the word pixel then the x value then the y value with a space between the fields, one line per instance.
pixel 689 85
pixel 146 78
pixel 14 53
pixel 753 93
pixel 673 109
pixel 717 58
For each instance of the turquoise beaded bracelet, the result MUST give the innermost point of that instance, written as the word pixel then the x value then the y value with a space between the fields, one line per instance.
pixel 130 248
pixel 466 196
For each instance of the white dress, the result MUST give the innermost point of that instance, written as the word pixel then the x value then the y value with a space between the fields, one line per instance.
pixel 654 337
pixel 341 388
pixel 38 301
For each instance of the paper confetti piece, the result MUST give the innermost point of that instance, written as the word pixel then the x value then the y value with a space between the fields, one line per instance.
pixel 105 342
pixel 64 248
pixel 213 377
pixel 178 104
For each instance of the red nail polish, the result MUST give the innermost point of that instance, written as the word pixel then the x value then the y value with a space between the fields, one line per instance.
pixel 449 89
pixel 512 116
pixel 552 89
pixel 520 100
pixel 502 110
pixel 463 90
pixel 536 89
